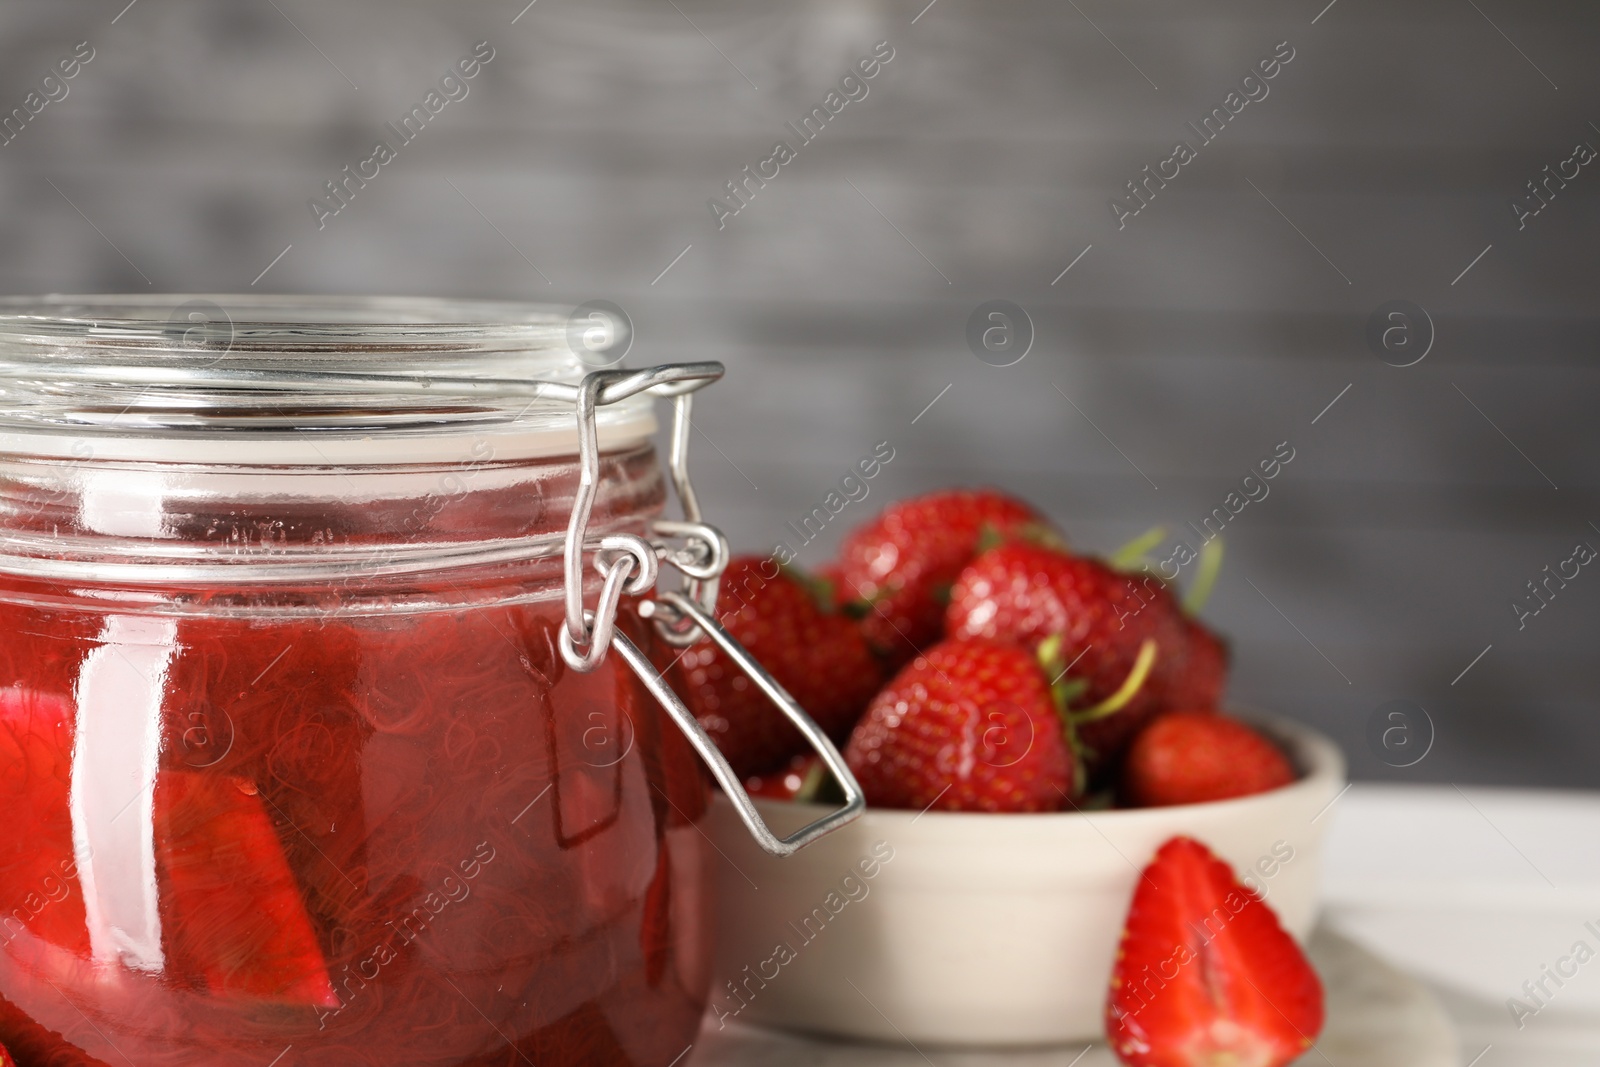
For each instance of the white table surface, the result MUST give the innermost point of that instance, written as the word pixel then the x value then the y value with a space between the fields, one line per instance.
pixel 1473 891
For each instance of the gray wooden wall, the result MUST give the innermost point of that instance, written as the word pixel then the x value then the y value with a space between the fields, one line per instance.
pixel 1219 322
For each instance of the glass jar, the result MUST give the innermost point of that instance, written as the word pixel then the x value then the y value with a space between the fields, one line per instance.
pixel 310 745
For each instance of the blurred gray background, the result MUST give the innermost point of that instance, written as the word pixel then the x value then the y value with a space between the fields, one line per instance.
pixel 1173 355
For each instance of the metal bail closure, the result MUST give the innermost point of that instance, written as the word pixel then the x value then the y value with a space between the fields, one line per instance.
pixel 725 775
pixel 630 564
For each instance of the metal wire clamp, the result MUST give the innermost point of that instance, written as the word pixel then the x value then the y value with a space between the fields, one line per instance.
pixel 630 564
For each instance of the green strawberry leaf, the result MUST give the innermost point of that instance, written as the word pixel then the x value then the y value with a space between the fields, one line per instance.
pixel 1131 555
pixel 1099 800
pixel 1081 754
pixel 1205 577
pixel 819 787
pixel 1032 533
pixel 820 588
pixel 855 609
pixel 990 537
pixel 1068 690
pixel 1063 690
pixel 1049 655
pixel 1137 676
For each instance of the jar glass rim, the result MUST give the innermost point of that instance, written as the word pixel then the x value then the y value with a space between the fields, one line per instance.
pixel 149 375
pixel 155 323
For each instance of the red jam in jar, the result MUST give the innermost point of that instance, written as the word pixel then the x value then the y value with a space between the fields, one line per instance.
pixel 291 766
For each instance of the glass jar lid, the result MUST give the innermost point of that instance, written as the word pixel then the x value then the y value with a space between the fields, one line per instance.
pixel 290 380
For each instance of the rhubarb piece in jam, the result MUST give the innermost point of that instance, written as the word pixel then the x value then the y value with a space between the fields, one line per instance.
pixel 232 916
pixel 409 839
pixel 38 875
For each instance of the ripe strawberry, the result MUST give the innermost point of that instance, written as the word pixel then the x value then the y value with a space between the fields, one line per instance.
pixel 1200 673
pixel 1205 975
pixel 820 658
pixel 970 726
pixel 1026 593
pixel 782 783
pixel 901 564
pixel 1189 757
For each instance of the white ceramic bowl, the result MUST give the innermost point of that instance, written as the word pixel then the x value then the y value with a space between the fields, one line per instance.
pixel 969 929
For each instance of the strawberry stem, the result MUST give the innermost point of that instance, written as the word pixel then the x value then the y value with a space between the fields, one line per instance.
pixel 1127 691
pixel 1080 766
pixel 820 588
pixel 1049 655
pixel 990 537
pixel 1130 555
pixel 1205 577
pixel 1064 690
pixel 1039 534
pixel 1069 689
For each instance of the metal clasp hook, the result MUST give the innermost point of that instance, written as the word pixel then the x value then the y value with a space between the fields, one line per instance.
pixel 630 564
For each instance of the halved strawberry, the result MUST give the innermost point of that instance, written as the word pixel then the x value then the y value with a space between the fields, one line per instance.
pixel 1205 976
pixel 900 566
pixel 970 726
pixel 232 917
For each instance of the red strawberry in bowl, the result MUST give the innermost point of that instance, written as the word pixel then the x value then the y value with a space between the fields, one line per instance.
pixel 970 726
pixel 900 566
pixel 820 657
pixel 1200 671
pixel 1190 757
pixel 1099 622
pixel 785 782
pixel 1205 976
